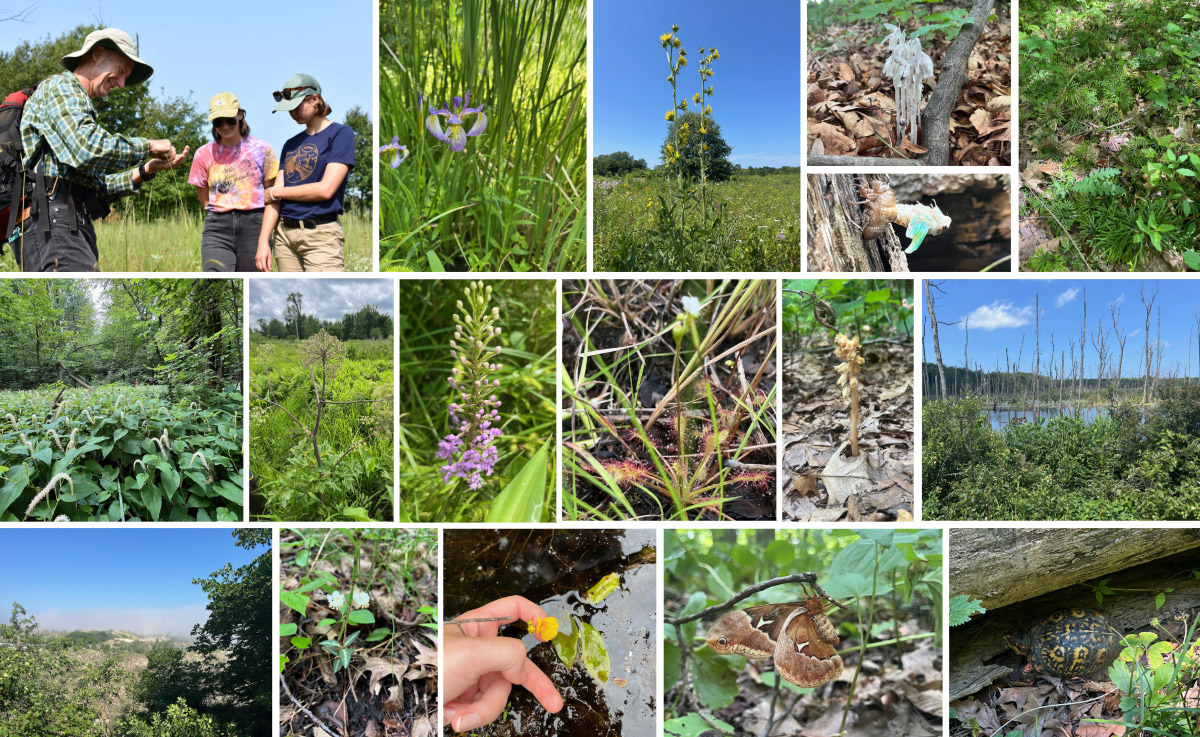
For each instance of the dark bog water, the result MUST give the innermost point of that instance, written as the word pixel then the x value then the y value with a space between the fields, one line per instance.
pixel 1002 418
pixel 555 569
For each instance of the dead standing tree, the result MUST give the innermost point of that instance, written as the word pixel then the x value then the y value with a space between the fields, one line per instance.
pixel 936 114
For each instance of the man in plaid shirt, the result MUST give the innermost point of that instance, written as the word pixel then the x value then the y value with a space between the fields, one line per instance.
pixel 73 163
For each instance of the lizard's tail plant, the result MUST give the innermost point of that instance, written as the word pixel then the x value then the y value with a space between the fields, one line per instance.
pixel 847 350
pixel 475 412
pixel 909 67
pixel 47 489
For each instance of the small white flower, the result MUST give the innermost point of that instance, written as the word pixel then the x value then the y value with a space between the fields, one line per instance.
pixel 361 599
pixel 691 305
pixel 337 599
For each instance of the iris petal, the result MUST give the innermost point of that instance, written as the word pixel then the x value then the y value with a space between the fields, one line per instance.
pixel 479 127
pixel 434 126
pixel 456 137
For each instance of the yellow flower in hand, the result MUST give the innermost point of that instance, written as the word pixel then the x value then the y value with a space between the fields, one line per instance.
pixel 543 628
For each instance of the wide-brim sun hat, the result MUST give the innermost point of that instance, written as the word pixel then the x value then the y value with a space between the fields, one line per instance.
pixel 300 86
pixel 223 105
pixel 117 40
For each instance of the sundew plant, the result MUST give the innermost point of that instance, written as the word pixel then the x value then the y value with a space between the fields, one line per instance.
pixel 485 104
pixel 476 382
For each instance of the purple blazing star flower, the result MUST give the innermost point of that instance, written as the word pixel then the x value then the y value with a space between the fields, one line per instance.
pixel 399 153
pixel 455 113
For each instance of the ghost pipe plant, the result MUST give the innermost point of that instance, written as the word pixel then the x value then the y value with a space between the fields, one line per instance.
pixel 908 67
pixel 847 349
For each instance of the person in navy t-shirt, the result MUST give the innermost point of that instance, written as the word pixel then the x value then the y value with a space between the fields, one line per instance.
pixel 307 197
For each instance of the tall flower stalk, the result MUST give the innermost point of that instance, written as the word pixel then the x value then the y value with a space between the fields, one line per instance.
pixel 701 100
pixel 674 150
pixel 475 411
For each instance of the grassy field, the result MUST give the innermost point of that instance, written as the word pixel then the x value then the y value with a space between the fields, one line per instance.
pixel 119 453
pixel 355 478
pixel 757 229
pixel 132 244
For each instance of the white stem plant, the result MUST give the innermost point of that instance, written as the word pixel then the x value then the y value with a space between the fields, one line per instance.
pixel 909 67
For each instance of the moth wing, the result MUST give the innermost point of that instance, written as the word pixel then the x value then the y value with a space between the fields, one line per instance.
pixel 802 656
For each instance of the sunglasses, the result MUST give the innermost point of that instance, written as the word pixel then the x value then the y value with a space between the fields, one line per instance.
pixel 222 122
pixel 289 93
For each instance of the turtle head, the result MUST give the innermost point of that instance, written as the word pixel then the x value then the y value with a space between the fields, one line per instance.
pixel 1018 642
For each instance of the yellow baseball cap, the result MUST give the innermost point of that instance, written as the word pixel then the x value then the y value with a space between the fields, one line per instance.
pixel 223 105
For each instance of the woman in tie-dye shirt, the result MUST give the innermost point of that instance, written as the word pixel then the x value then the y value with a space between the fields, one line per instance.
pixel 230 176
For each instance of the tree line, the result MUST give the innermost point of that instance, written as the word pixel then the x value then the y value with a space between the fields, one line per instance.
pixel 134 111
pixel 367 323
pixel 184 334
pixel 1057 375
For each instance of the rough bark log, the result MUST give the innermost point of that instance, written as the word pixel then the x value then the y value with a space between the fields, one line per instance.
pixel 1040 570
pixel 835 225
pixel 935 131
pixel 78 380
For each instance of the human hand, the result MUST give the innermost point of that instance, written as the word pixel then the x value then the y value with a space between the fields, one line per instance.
pixel 161 148
pixel 262 259
pixel 480 668
pixel 172 161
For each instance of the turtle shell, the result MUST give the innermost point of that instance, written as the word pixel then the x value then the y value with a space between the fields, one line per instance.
pixel 1070 643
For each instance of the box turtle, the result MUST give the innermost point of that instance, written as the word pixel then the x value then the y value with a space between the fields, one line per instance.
pixel 1070 643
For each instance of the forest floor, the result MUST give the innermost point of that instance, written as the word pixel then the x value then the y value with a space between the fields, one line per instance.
pixel 816 422
pixel 1109 150
pixel 390 687
pixel 851 104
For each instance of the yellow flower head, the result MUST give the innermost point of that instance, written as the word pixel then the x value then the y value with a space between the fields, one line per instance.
pixel 670 115
pixel 708 109
pixel 664 38
pixel 683 105
pixel 676 42
pixel 543 628
pixel 674 29
pixel 682 61
pixel 703 130
pixel 696 98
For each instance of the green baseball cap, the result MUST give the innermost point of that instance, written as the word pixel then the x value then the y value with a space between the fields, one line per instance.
pixel 295 89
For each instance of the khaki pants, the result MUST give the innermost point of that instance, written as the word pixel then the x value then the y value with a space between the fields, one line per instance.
pixel 310 249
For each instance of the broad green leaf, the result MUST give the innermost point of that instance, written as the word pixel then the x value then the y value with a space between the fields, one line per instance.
pixel 595 655
pixel 320 581
pixel 768 679
pixel 566 642
pixel 358 514
pixel 692 725
pixel 605 586
pixel 696 602
pixel 14 483
pixel 378 634
pixel 715 678
pixel 170 477
pixel 435 263
pixel 230 491
pixel 294 600
pixel 153 502
pixel 523 500
pixel 361 616
pixel 287 630
pixel 326 622
pixel 302 643
pixel 671 659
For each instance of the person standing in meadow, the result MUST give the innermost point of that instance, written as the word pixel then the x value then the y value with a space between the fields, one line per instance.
pixel 307 197
pixel 231 175
pixel 73 166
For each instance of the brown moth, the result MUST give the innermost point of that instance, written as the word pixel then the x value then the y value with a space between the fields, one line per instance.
pixel 798 636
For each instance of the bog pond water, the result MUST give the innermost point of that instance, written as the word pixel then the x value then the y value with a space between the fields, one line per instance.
pixel 556 569
pixel 1002 418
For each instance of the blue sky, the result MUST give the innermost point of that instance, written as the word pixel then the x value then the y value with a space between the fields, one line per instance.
pixel 247 48
pixel 756 80
pixel 326 299
pixel 138 580
pixel 1000 313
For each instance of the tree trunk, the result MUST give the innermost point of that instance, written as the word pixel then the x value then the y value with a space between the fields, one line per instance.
pixel 835 221
pixel 937 347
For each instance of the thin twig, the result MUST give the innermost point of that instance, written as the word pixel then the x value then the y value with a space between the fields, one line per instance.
pixel 809 579
pixel 309 714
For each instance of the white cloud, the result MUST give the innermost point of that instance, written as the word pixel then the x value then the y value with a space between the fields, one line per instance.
pixel 1118 301
pixel 1067 296
pixel 141 621
pixel 998 315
